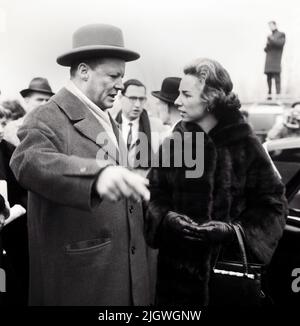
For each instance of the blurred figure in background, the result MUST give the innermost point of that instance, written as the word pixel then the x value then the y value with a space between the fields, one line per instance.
pixel 13 236
pixel 286 126
pixel 134 119
pixel 37 93
pixel 273 49
pixel 4 213
pixel 167 110
pixel 15 108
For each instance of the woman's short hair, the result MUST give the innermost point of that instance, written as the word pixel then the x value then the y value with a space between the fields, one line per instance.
pixel 4 113
pixel 217 91
pixel 15 108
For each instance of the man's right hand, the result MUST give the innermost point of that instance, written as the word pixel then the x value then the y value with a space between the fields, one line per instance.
pixel 116 182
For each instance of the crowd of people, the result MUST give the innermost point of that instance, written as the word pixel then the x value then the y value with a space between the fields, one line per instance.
pixel 95 221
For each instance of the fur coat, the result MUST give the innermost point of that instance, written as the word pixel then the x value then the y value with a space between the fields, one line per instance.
pixel 238 185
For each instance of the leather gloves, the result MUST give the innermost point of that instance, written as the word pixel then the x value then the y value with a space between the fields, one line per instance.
pixel 185 227
pixel 214 231
pixel 180 225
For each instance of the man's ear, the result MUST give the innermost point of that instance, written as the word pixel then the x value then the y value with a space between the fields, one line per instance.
pixel 83 71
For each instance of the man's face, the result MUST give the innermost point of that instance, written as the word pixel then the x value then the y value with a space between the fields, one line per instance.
pixel 272 26
pixel 35 99
pixel 163 111
pixel 104 82
pixel 133 102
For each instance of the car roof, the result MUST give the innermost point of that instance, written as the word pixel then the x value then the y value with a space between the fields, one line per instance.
pixel 283 143
pixel 288 169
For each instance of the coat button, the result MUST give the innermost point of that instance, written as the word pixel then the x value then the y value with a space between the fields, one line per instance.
pixel 130 209
pixel 133 250
pixel 82 170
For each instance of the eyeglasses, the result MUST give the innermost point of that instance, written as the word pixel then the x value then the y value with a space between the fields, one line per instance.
pixel 133 99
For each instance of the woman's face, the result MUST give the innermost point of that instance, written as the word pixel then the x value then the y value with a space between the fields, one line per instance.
pixel 190 105
pixel 2 126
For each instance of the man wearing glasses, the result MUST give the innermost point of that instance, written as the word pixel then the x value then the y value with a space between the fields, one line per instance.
pixel 135 123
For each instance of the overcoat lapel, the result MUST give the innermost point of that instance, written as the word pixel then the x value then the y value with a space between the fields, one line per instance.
pixel 86 123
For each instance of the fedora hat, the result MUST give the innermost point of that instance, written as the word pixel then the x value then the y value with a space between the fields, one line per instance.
pixel 169 90
pixel 94 40
pixel 38 84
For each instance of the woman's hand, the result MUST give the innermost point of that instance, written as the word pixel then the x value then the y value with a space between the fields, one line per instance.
pixel 213 231
pixel 180 225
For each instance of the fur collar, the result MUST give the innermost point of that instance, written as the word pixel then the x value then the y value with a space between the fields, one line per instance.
pixel 224 133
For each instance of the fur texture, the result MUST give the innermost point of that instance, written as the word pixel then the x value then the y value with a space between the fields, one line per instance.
pixel 238 184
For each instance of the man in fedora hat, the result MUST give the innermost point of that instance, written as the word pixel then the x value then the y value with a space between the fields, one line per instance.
pixel 85 215
pixel 167 95
pixel 37 93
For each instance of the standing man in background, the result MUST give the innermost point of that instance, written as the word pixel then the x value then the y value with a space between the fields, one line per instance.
pixel 37 93
pixel 273 49
pixel 167 110
pixel 134 122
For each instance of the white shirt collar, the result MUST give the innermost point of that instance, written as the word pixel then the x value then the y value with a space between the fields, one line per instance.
pixel 126 121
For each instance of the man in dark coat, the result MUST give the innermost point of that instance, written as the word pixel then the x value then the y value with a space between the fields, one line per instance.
pixel 273 49
pixel 85 223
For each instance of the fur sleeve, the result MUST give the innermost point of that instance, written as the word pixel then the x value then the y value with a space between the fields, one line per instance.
pixel 160 203
pixel 265 215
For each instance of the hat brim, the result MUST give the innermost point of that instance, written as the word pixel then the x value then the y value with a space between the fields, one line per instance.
pixel 67 58
pixel 163 98
pixel 27 91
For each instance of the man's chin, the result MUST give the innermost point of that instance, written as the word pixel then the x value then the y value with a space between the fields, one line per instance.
pixel 105 106
pixel 135 115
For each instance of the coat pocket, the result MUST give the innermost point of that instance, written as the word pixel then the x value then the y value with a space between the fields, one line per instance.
pixel 87 246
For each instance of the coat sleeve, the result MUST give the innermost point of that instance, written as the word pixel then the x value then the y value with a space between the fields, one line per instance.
pixel 264 217
pixel 278 41
pixel 41 165
pixel 160 203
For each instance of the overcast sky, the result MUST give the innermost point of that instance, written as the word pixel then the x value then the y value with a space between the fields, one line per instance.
pixel 167 33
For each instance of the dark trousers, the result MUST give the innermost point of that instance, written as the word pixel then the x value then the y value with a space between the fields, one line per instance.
pixel 276 76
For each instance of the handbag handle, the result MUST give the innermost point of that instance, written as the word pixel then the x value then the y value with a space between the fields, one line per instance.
pixel 239 234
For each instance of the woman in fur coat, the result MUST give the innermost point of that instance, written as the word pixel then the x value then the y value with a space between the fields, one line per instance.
pixel 188 219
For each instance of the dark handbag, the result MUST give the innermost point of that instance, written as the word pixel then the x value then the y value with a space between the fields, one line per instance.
pixel 236 282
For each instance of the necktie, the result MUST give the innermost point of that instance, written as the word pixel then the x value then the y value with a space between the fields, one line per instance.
pixel 129 137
